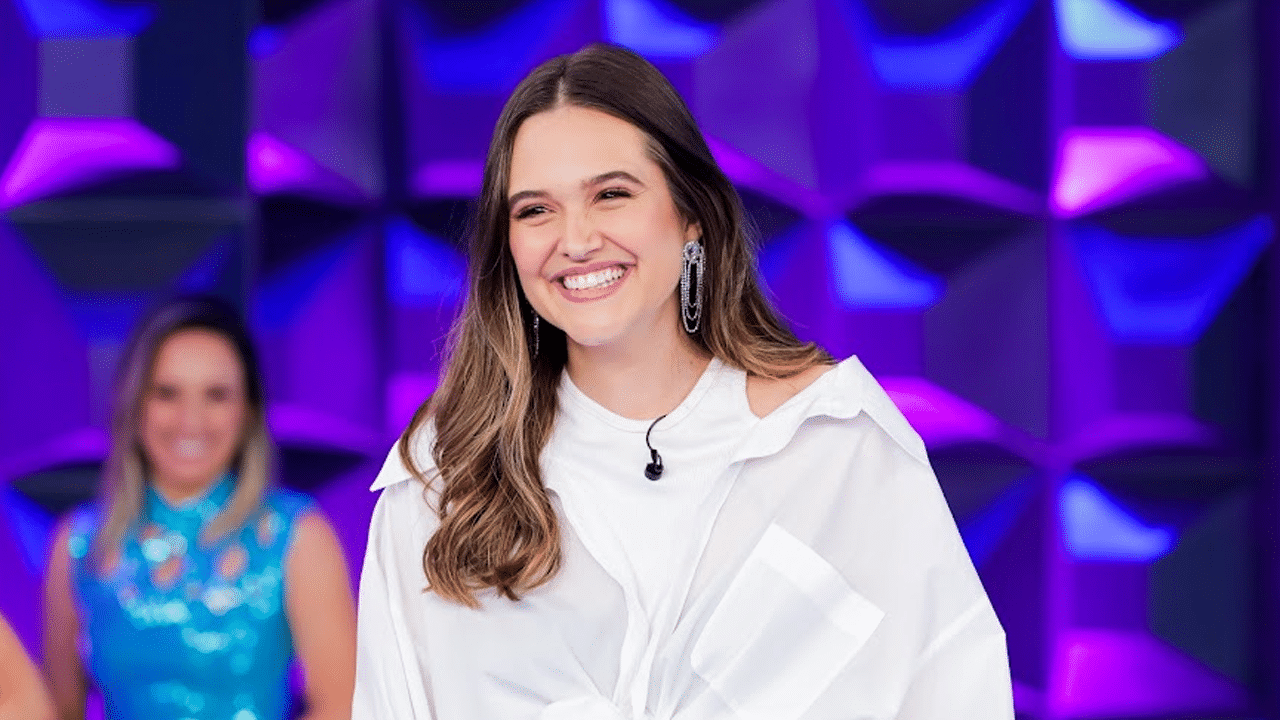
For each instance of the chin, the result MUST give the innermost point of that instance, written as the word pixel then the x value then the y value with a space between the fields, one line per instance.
pixel 592 339
pixel 195 477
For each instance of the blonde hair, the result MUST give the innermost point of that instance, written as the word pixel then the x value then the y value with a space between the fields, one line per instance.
pixel 496 405
pixel 124 478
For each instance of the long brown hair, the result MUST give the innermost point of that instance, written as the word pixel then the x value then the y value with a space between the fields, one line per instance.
pixel 124 478
pixel 496 404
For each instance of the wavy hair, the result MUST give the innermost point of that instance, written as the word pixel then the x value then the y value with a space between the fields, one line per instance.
pixel 496 404
pixel 125 473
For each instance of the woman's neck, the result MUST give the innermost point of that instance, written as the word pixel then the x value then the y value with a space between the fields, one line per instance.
pixel 638 382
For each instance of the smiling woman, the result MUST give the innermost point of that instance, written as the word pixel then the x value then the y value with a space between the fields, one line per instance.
pixel 636 494
pixel 193 580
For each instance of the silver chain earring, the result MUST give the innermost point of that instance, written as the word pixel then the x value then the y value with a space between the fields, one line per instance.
pixel 694 263
pixel 537 334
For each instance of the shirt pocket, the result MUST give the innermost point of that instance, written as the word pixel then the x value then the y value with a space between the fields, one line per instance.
pixel 787 625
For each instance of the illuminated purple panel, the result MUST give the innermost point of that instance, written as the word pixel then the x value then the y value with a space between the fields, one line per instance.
pixel 57 155
pixel 954 179
pixel 302 426
pixel 347 502
pixel 746 171
pixel 21 591
pixel 781 74
pixel 275 167
pixel 948 60
pixel 1102 167
pixel 449 178
pixel 19 79
pixel 321 345
pixel 316 94
pixel 74 447
pixel 406 391
pixel 44 389
pixel 940 417
pixel 1117 433
pixel 1110 30
pixel 656 29
pixel 1110 674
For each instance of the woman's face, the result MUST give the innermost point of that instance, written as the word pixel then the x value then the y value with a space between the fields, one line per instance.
pixel 194 411
pixel 594 233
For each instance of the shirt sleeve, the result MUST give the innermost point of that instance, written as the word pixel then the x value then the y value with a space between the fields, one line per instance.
pixel 391 681
pixel 963 669
pixel 965 675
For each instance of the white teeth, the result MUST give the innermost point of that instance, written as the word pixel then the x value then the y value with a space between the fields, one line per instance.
pixel 593 280
pixel 190 448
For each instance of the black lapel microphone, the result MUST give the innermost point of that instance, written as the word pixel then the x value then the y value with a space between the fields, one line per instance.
pixel 653 470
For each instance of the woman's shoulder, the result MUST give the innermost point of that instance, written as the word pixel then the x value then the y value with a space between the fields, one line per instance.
pixel 844 391
pixel 765 394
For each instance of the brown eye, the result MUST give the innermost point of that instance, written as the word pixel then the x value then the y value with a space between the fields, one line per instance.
pixel 614 193
pixel 529 211
pixel 164 392
pixel 218 394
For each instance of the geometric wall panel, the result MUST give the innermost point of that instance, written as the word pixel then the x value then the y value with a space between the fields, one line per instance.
pixel 1111 30
pixel 1166 289
pixel 314 90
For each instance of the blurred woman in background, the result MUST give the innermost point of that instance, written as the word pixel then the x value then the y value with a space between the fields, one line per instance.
pixel 22 692
pixel 186 590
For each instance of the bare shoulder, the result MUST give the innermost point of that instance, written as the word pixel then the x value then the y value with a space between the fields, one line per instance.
pixel 312 533
pixel 765 395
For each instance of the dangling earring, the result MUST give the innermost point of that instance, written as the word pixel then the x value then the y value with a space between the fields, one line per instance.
pixel 537 335
pixel 694 262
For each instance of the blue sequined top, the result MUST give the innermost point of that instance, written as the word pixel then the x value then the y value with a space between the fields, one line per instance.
pixel 172 629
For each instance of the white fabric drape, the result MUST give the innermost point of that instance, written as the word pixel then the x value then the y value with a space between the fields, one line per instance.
pixel 831 585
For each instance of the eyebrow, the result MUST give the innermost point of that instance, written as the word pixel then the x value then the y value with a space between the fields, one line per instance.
pixel 597 180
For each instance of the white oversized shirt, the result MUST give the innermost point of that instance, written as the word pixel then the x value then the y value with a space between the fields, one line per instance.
pixel 807 569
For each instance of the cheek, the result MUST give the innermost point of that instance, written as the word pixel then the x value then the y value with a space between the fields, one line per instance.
pixel 154 418
pixel 529 253
pixel 230 419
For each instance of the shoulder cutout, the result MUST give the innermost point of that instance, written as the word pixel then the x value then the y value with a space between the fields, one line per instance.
pixel 765 395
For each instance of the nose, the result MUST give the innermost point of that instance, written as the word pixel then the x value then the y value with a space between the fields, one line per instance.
pixel 581 238
pixel 191 415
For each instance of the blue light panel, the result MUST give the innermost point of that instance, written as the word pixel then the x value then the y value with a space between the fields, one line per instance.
pixel 949 60
pixel 1095 527
pixel 1167 290
pixel 655 29
pixel 87 18
pixel 866 276
pixel 1110 30
pixel 421 270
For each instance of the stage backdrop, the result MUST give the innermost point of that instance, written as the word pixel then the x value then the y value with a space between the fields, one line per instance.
pixel 1043 224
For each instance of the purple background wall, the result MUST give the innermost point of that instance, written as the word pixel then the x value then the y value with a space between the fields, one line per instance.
pixel 1046 225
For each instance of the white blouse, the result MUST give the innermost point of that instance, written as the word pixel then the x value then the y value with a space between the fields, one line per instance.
pixel 803 566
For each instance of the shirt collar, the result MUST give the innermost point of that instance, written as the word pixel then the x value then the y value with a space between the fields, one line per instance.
pixel 842 393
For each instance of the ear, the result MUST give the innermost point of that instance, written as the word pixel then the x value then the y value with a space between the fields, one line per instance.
pixel 692 231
